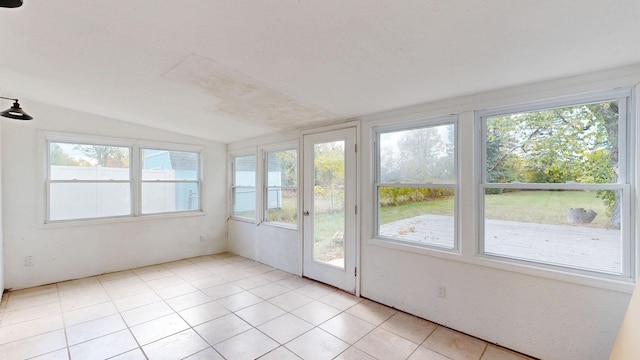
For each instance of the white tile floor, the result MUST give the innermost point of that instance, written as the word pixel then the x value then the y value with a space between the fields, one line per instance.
pixel 217 307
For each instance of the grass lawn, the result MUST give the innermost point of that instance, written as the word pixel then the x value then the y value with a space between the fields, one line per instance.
pixel 390 214
pixel 329 233
pixel 545 207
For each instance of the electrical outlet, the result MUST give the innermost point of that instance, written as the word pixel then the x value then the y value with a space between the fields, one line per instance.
pixel 28 260
pixel 442 291
pixel 201 238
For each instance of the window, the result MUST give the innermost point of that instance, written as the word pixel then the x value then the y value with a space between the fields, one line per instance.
pixel 556 187
pixel 281 186
pixel 169 181
pixel 243 187
pixel 89 179
pixel 416 182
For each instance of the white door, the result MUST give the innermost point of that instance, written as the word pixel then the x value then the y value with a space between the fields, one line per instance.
pixel 330 208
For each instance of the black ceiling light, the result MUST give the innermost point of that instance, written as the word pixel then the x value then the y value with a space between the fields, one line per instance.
pixel 10 3
pixel 15 111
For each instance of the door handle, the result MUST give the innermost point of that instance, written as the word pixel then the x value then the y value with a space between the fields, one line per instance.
pixel 306 213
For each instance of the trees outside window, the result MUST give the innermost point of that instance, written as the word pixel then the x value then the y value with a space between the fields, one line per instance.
pixel 281 186
pixel 416 181
pixel 93 180
pixel 555 186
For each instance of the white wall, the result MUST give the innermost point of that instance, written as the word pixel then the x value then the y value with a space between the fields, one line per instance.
pixel 61 252
pixel 1 222
pixel 540 313
pixel 545 318
pixel 275 246
pixel 279 247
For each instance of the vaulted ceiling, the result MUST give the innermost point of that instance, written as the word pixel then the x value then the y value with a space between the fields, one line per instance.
pixel 229 70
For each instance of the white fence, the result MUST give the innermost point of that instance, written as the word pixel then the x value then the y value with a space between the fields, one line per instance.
pixel 71 200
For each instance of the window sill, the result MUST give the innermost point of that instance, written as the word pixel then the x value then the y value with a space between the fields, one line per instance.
pixel 280 225
pixel 244 220
pixel 121 219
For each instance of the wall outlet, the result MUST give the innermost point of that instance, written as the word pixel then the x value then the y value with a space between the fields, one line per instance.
pixel 201 238
pixel 28 260
pixel 442 291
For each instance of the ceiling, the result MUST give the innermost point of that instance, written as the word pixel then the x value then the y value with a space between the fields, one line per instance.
pixel 237 69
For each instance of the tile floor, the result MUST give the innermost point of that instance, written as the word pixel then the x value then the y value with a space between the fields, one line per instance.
pixel 217 307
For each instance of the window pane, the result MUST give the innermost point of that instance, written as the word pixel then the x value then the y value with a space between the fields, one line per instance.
pixel 88 162
pixel 571 144
pixel 245 171
pixel 281 181
pixel 282 168
pixel 567 228
pixel 328 202
pixel 169 197
pixel 424 155
pixel 244 202
pixel 282 205
pixel 89 200
pixel 420 215
pixel 244 181
pixel 169 165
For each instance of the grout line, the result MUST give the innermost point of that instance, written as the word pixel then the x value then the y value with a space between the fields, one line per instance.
pixel 64 324
pixel 233 271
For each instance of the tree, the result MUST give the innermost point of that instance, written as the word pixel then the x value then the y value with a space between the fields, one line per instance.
pixel 288 165
pixel 416 156
pixel 57 156
pixel 424 157
pixel 571 144
pixel 609 114
pixel 329 164
pixel 106 156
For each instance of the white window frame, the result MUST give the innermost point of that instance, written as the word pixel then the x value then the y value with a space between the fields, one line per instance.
pixel 411 125
pixel 265 186
pixel 233 187
pixel 625 159
pixel 135 147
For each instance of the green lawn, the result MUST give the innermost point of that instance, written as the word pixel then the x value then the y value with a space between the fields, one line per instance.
pixel 545 207
pixel 328 232
pixel 434 207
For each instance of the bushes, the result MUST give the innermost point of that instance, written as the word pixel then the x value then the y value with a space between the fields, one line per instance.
pixel 394 196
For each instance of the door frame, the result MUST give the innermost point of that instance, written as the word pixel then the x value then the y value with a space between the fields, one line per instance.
pixel 347 125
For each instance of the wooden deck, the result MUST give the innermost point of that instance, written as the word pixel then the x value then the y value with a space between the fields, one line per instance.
pixel 575 246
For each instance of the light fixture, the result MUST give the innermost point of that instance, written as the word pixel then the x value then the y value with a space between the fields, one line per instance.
pixel 10 3
pixel 15 112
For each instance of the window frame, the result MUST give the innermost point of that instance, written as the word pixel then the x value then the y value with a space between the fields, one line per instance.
pixel 406 126
pixel 265 185
pixel 135 175
pixel 233 187
pixel 626 126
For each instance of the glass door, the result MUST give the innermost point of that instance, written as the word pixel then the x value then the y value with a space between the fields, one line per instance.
pixel 330 208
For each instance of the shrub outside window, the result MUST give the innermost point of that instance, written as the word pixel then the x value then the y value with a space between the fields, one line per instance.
pixel 556 187
pixel 243 187
pixel 416 182
pixel 281 186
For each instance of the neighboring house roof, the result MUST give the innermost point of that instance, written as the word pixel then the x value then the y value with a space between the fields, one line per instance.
pixel 183 160
pixel 245 163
